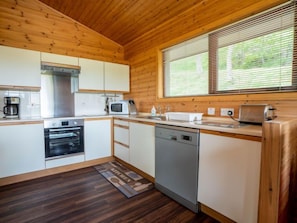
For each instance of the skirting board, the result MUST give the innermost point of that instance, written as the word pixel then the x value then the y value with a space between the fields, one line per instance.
pixel 51 171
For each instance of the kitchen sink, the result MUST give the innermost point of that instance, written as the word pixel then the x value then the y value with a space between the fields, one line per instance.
pixel 233 125
pixel 221 124
pixel 159 118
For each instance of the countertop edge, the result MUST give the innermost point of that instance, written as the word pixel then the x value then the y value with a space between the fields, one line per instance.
pixel 252 130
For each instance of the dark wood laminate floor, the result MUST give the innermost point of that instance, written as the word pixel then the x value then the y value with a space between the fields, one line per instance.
pixel 85 196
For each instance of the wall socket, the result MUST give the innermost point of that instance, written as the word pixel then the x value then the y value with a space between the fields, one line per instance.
pixel 227 111
pixel 211 111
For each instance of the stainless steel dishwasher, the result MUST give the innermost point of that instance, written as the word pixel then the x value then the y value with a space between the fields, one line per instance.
pixel 176 160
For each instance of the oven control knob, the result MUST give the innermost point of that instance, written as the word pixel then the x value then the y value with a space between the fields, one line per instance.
pixel 75 122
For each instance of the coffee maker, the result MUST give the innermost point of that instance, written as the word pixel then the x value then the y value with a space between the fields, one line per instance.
pixel 11 108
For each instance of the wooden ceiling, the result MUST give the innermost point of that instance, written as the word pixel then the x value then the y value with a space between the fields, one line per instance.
pixel 122 20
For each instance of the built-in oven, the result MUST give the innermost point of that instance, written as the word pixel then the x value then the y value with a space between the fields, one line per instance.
pixel 63 138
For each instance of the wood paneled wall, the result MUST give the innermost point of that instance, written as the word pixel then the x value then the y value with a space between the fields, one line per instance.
pixel 202 18
pixel 31 24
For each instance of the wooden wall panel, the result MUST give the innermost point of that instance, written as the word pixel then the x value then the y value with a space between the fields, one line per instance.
pixel 32 25
pixel 143 57
pixel 201 18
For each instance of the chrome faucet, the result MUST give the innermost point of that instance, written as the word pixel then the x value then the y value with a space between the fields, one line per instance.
pixel 159 110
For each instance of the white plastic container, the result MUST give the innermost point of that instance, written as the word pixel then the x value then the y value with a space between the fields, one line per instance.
pixel 153 111
pixel 184 116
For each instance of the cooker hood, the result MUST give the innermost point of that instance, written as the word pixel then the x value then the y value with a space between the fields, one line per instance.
pixel 59 69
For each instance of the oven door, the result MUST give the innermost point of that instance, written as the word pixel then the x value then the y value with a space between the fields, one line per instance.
pixel 63 141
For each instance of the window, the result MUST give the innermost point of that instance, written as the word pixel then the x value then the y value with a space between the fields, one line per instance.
pixel 186 68
pixel 254 55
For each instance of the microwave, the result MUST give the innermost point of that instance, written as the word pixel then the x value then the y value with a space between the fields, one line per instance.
pixel 123 107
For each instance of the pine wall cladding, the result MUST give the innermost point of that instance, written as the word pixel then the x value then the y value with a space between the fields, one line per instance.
pixel 142 54
pixel 31 24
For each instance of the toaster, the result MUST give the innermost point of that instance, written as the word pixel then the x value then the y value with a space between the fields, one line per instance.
pixel 256 113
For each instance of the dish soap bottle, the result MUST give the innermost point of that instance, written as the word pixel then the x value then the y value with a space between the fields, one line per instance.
pixel 153 111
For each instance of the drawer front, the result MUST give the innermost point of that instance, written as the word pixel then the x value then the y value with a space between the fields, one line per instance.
pixel 121 122
pixel 121 135
pixel 121 152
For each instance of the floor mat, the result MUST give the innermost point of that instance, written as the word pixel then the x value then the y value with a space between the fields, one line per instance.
pixel 124 179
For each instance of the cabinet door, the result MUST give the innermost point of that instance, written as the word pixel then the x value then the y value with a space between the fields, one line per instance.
pixel 229 174
pixel 56 58
pixel 19 67
pixel 117 77
pixel 92 75
pixel 21 149
pixel 142 147
pixel 97 139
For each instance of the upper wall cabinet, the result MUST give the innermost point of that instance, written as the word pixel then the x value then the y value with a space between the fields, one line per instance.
pixel 56 58
pixel 103 76
pixel 19 68
pixel 117 77
pixel 91 75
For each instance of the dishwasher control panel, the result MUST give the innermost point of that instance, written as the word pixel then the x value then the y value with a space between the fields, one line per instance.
pixel 182 135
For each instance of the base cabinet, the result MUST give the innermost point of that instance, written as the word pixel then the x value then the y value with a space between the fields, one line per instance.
pixel 142 147
pixel 121 140
pixel 21 149
pixel 97 139
pixel 229 175
pixel 134 143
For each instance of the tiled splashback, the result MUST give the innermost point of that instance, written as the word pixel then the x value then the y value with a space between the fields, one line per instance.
pixel 29 102
pixel 92 104
pixel 85 104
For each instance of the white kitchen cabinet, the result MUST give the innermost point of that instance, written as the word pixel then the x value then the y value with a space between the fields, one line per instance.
pixel 117 77
pixel 91 76
pixel 121 140
pixel 19 67
pixel 97 138
pixel 142 147
pixel 229 174
pixel 21 149
pixel 57 58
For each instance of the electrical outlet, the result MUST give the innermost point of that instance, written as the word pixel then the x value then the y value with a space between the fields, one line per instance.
pixel 227 111
pixel 211 111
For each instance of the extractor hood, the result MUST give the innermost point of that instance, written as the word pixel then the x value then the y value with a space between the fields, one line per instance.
pixel 59 69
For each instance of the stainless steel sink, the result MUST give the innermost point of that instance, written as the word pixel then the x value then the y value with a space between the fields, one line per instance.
pixel 221 124
pixel 159 118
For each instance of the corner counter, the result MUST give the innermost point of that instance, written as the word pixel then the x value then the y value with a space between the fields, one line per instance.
pixel 278 182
